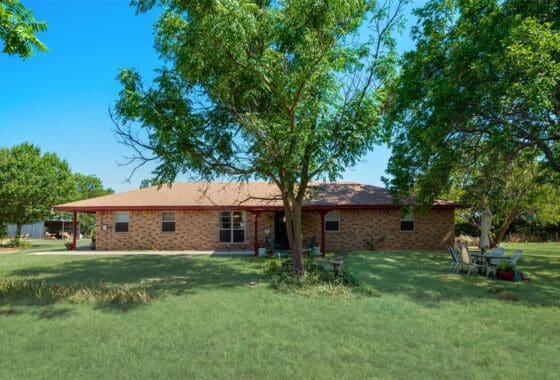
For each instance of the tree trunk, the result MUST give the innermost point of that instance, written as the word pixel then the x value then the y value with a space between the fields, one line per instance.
pixel 503 229
pixel 18 231
pixel 292 212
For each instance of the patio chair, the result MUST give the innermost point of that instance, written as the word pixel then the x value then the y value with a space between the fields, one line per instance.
pixel 469 262
pixel 455 262
pixel 516 257
pixel 494 262
pixel 498 251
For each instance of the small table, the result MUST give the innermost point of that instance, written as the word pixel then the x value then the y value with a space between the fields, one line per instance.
pixel 486 257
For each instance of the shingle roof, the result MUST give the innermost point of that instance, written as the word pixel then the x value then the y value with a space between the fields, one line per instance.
pixel 252 195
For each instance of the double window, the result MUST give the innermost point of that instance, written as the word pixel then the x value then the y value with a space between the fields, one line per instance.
pixel 121 221
pixel 232 227
pixel 407 222
pixel 168 222
pixel 332 221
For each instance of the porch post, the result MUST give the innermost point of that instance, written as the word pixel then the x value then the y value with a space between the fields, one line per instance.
pixel 256 238
pixel 74 229
pixel 322 213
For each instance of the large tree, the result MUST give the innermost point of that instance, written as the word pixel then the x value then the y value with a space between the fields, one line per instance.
pixel 282 91
pixel 18 29
pixel 31 183
pixel 510 188
pixel 85 187
pixel 482 84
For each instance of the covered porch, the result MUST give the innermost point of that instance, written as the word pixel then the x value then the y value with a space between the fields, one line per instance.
pixel 270 226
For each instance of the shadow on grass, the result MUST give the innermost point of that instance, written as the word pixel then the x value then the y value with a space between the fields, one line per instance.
pixel 425 277
pixel 153 276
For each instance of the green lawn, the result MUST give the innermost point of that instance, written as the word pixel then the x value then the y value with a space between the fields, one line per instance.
pixel 206 321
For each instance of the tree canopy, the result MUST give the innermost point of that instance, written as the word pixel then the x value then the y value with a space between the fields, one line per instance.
pixel 85 187
pixel 18 29
pixel 280 91
pixel 88 186
pixel 31 183
pixel 510 190
pixel 482 84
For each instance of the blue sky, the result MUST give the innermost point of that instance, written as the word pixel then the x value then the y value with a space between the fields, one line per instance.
pixel 59 100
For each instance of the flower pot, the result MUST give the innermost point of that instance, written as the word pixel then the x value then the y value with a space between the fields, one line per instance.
pixel 262 252
pixel 316 251
pixel 507 275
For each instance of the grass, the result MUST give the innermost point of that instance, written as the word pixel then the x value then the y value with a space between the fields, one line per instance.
pixel 206 318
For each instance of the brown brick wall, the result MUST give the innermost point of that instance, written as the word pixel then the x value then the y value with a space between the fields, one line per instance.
pixel 194 230
pixel 198 230
pixel 433 229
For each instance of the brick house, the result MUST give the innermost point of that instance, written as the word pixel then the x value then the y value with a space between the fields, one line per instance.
pixel 233 216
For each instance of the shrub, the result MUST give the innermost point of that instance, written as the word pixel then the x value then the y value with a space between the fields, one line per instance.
pixel 374 243
pixel 19 243
pixel 318 278
pixel 3 231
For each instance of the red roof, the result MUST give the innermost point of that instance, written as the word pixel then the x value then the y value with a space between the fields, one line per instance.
pixel 252 195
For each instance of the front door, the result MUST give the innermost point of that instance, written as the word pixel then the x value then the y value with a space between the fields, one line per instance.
pixel 280 233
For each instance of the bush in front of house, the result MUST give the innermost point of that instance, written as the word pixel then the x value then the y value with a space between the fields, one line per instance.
pixel 319 278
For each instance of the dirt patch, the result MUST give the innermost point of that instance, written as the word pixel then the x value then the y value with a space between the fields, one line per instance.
pixel 7 250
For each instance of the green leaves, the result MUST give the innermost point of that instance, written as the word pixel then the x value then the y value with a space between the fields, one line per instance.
pixel 18 29
pixel 481 85
pixel 31 183
pixel 281 91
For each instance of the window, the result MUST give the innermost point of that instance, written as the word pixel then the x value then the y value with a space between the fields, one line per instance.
pixel 168 222
pixel 332 221
pixel 121 222
pixel 407 222
pixel 232 227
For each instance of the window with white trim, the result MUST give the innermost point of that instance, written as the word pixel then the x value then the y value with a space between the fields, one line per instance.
pixel 332 221
pixel 232 227
pixel 407 222
pixel 168 221
pixel 121 221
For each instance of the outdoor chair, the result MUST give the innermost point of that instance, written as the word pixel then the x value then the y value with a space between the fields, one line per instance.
pixel 515 257
pixel 498 251
pixel 513 260
pixel 469 262
pixel 455 261
pixel 494 262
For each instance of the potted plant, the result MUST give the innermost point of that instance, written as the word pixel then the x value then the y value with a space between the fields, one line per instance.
pixel 68 245
pixel 313 246
pixel 505 271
